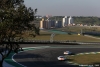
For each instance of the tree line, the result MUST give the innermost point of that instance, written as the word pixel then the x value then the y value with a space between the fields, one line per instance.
pixel 87 20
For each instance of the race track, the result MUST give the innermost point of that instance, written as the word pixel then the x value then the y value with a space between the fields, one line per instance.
pixel 47 57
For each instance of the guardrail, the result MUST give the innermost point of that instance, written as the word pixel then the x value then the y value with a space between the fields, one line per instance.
pixel 54 42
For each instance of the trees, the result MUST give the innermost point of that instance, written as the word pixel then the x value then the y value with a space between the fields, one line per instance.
pixel 87 20
pixel 15 18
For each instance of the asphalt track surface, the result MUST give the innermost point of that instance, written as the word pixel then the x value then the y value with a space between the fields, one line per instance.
pixel 47 57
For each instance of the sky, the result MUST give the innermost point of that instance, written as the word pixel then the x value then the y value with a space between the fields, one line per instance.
pixel 65 7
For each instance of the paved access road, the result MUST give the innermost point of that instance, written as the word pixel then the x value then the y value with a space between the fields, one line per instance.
pixel 47 57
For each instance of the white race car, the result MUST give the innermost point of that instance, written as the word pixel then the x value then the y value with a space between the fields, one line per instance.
pixel 68 52
pixel 62 58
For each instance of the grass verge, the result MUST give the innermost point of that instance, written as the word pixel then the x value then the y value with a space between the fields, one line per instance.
pixel 88 59
pixel 65 37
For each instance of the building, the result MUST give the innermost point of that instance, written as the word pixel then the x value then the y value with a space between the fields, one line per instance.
pixel 53 23
pixel 70 20
pixel 64 21
pixel 58 24
pixel 67 21
pixel 47 23
pixel 41 24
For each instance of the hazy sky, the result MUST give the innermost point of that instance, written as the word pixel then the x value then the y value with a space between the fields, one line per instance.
pixel 65 7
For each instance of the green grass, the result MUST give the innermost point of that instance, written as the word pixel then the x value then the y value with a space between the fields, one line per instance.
pixel 44 35
pixel 85 59
pixel 65 37
pixel 10 61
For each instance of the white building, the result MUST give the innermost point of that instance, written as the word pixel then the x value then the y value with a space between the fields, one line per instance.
pixel 64 21
pixel 70 20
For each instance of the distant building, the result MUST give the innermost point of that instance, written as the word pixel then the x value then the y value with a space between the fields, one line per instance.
pixel 44 24
pixel 53 23
pixel 64 21
pixel 58 24
pixel 70 20
pixel 67 21
pixel 41 23
pixel 47 23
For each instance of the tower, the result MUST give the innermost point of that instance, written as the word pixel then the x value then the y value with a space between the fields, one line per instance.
pixel 64 21
pixel 41 24
pixel 70 20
